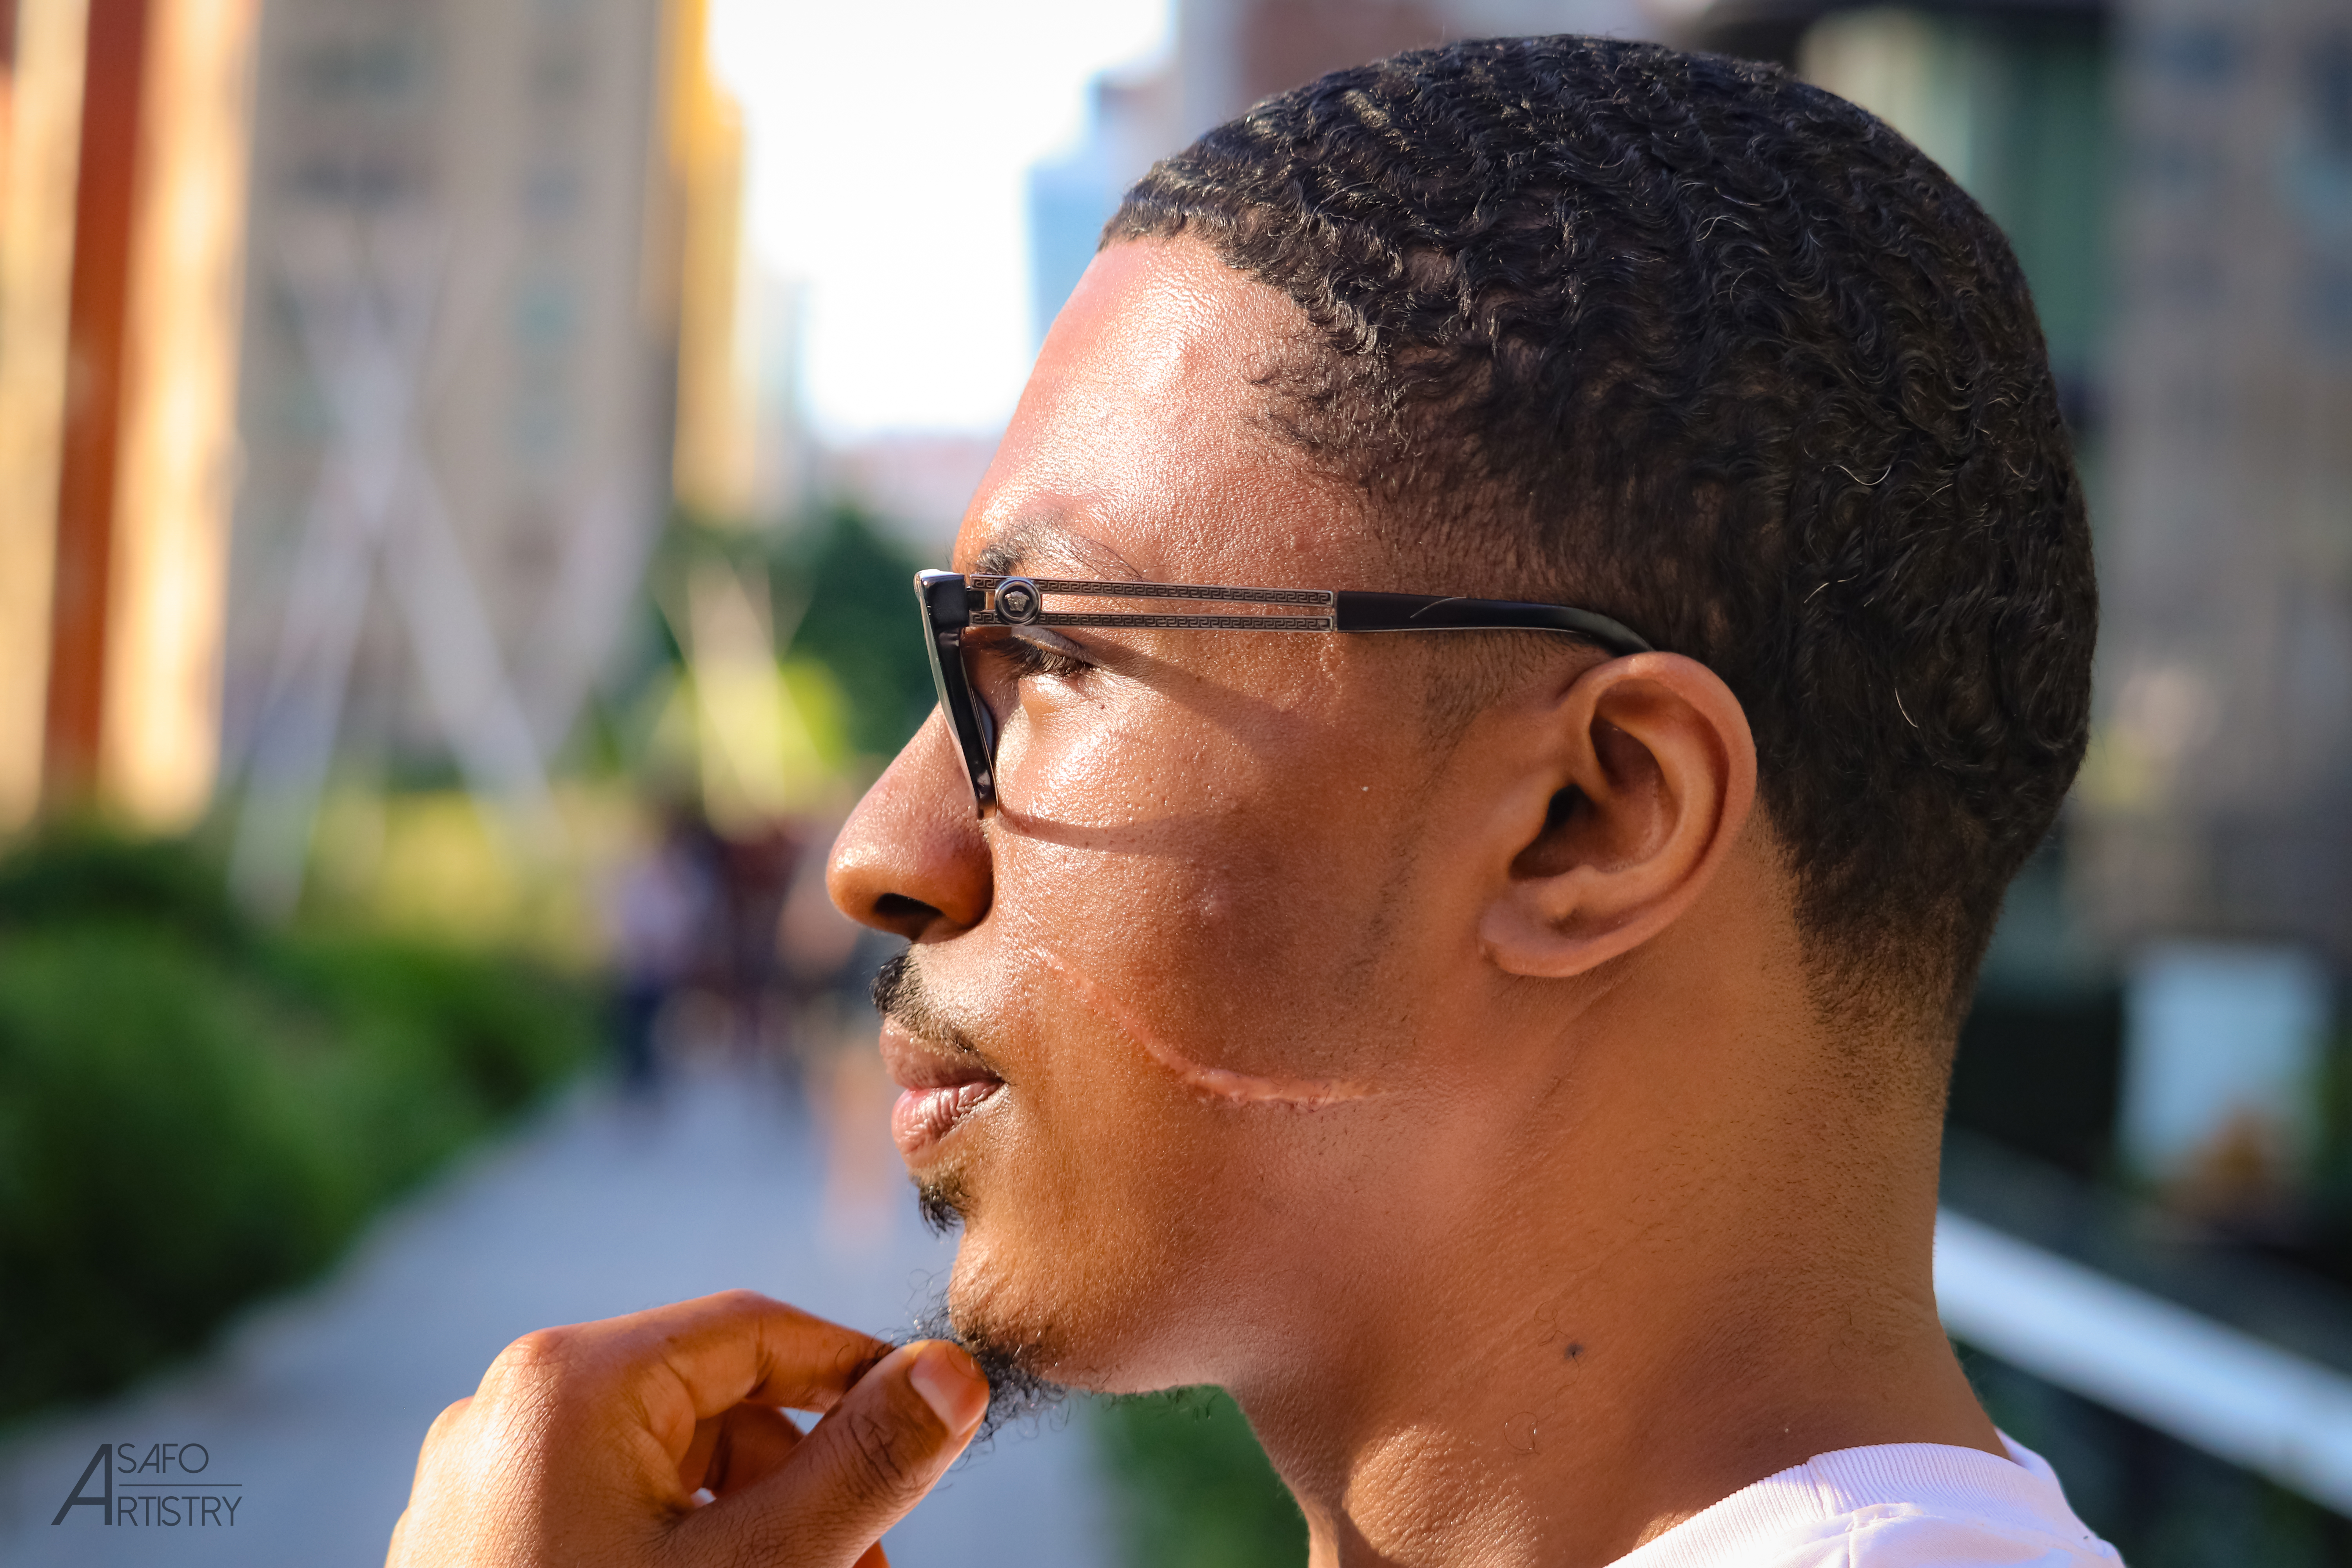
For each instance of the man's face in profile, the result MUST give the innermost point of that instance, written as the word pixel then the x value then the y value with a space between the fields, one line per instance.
pixel 1197 946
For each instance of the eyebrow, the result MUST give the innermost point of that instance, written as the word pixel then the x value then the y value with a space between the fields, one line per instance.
pixel 1004 556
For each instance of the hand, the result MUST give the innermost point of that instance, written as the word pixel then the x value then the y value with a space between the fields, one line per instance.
pixel 585 1446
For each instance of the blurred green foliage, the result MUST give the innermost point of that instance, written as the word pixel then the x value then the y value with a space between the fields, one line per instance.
pixel 194 1111
pixel 842 595
pixel 855 588
pixel 1195 1490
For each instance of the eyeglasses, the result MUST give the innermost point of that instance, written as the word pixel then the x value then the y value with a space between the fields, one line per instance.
pixel 953 603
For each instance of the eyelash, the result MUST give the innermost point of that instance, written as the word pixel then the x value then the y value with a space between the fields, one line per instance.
pixel 1028 659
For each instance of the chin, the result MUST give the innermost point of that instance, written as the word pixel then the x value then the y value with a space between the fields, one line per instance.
pixel 992 1302
pixel 1069 1301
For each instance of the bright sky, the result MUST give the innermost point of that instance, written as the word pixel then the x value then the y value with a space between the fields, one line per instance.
pixel 889 143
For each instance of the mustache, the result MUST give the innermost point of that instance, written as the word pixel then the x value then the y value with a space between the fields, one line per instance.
pixel 902 995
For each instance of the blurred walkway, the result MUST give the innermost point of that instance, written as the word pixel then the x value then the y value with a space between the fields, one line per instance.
pixel 316 1405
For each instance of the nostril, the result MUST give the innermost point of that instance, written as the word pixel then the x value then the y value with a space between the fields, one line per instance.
pixel 897 909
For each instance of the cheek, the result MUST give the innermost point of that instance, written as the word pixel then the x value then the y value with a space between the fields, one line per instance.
pixel 1186 911
pixel 1127 770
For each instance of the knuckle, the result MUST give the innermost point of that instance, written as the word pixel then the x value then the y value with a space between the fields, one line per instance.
pixel 743 1300
pixel 537 1371
pixel 540 1349
pixel 451 1414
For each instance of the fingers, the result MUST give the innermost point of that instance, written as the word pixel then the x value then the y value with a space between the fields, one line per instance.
pixel 734 1450
pixel 883 1445
pixel 680 1365
pixel 602 1433
pixel 738 1347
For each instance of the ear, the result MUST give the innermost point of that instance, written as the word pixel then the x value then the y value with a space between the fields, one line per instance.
pixel 1642 777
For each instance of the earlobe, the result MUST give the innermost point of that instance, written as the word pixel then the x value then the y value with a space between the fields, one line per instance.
pixel 1645 776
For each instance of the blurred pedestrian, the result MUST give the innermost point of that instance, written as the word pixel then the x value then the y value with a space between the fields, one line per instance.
pixel 659 907
pixel 756 869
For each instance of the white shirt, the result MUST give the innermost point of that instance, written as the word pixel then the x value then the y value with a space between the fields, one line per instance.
pixel 1901 1505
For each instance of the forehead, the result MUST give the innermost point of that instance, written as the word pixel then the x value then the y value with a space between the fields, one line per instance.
pixel 1141 446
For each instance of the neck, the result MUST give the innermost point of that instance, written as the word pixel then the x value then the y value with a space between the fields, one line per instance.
pixel 1708 1282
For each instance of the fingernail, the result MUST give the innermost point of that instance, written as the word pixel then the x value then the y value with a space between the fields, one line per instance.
pixel 950 1383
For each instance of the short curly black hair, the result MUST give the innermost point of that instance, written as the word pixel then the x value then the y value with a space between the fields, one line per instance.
pixel 1684 339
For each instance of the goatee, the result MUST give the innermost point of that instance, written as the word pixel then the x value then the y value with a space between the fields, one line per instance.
pixel 1017 1391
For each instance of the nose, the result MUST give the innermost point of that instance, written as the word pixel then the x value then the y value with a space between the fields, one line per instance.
pixel 912 861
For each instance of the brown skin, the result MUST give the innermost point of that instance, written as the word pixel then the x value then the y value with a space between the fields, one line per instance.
pixel 1492 1151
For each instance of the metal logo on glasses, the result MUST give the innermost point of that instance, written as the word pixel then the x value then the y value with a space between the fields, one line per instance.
pixel 1018 601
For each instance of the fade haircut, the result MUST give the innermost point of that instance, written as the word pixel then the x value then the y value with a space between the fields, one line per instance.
pixel 1683 339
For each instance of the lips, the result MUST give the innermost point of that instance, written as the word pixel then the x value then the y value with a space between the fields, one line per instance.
pixel 941 1089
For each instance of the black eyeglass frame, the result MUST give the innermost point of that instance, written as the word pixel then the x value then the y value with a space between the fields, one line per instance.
pixel 953 602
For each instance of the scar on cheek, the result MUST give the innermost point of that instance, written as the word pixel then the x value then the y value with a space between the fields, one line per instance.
pixel 1239 1087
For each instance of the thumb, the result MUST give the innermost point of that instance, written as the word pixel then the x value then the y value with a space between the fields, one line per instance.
pixel 857 1472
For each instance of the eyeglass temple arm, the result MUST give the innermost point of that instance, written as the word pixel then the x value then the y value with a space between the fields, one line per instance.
pixel 1360 612
pixel 1348 611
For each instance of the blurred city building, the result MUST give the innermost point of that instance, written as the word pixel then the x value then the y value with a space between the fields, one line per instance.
pixel 1133 120
pixel 740 455
pixel 122 237
pixel 435 303
pixel 472 227
pixel 2221 801
pixel 713 457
